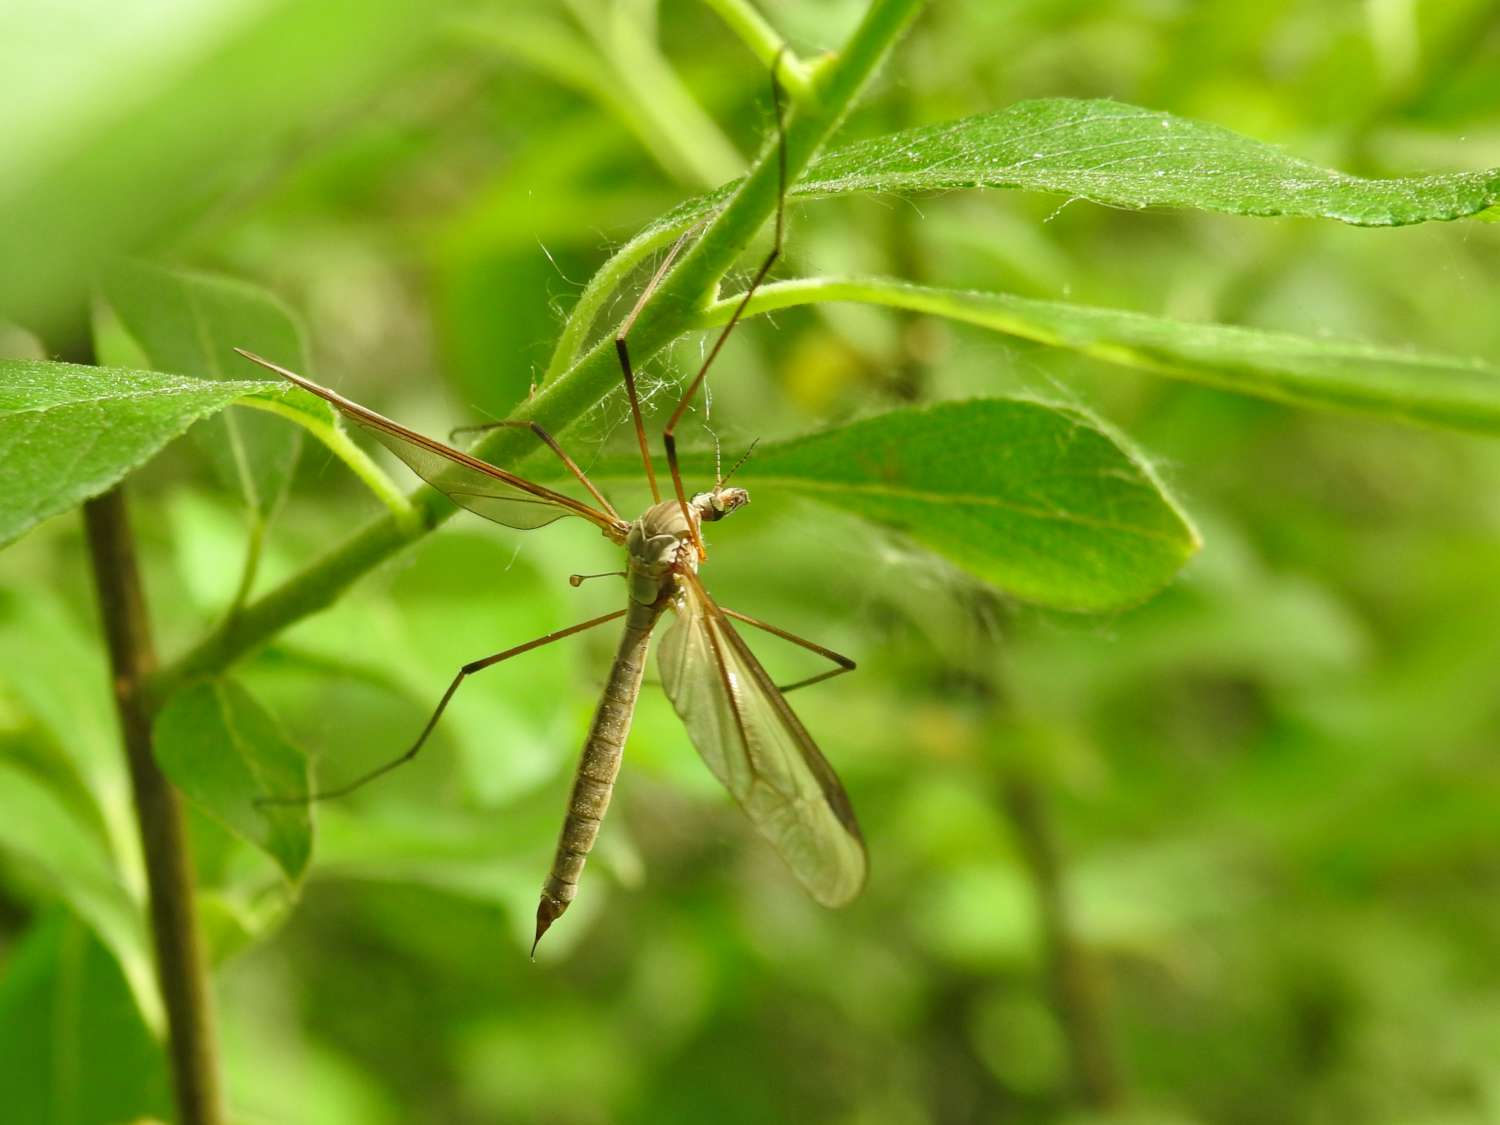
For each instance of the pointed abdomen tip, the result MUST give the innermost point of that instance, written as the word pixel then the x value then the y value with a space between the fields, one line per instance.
pixel 549 910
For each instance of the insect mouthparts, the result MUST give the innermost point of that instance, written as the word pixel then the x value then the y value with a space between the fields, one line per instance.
pixel 720 502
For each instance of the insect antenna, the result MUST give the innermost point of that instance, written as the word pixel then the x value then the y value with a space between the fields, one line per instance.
pixel 745 456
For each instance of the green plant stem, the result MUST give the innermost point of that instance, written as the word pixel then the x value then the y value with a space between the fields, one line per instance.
pixel 700 153
pixel 766 42
pixel 255 541
pixel 302 595
pixel 356 459
pixel 180 966
pixel 674 310
pixel 624 73
pixel 599 289
pixel 890 292
pixel 730 230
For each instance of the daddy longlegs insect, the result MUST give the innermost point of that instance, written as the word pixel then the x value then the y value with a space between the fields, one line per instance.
pixel 735 715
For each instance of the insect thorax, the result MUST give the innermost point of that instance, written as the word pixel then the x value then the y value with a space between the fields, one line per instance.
pixel 661 539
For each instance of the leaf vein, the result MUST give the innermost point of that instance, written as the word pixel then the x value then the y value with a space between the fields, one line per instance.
pixel 956 499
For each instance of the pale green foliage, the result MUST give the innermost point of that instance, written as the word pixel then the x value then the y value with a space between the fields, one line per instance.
pixel 190 324
pixel 75 1047
pixel 70 432
pixel 1036 498
pixel 222 750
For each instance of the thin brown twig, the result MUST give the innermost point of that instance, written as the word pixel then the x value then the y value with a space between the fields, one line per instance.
pixel 179 956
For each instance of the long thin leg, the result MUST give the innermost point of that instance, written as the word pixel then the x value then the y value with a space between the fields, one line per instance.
pixel 669 435
pixel 551 443
pixel 463 673
pixel 843 662
pixel 622 349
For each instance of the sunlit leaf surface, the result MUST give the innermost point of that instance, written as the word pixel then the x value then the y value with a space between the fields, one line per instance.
pixel 1037 498
pixel 1126 156
pixel 69 432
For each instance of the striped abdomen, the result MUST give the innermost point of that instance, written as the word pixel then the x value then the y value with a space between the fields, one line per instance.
pixel 599 765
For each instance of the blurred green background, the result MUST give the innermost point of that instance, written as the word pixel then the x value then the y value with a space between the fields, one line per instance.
pixel 1267 801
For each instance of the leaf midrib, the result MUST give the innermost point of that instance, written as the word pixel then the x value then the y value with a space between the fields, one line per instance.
pixel 198 387
pixel 953 499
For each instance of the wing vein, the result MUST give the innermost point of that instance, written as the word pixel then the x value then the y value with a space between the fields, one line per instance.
pixel 757 747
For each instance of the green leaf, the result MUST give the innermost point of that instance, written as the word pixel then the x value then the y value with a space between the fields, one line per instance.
pixel 224 751
pixel 1036 498
pixel 190 323
pixel 1125 156
pixel 68 433
pixel 1405 386
pixel 67 859
pixel 325 423
pixel 63 686
pixel 76 1049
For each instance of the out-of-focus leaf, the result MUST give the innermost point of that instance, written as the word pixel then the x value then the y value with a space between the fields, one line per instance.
pixel 1037 498
pixel 75 1047
pixel 159 109
pixel 190 323
pixel 1021 1042
pixel 232 920
pixel 1125 156
pixel 1386 382
pixel 220 748
pixel 68 432
pixel 207 537
pixel 63 685
pixel 50 844
pixel 242 893
pixel 316 1084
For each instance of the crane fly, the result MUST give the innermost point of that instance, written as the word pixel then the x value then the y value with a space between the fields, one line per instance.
pixel 735 715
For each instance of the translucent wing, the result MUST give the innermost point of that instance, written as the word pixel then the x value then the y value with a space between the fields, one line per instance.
pixel 480 487
pixel 759 749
